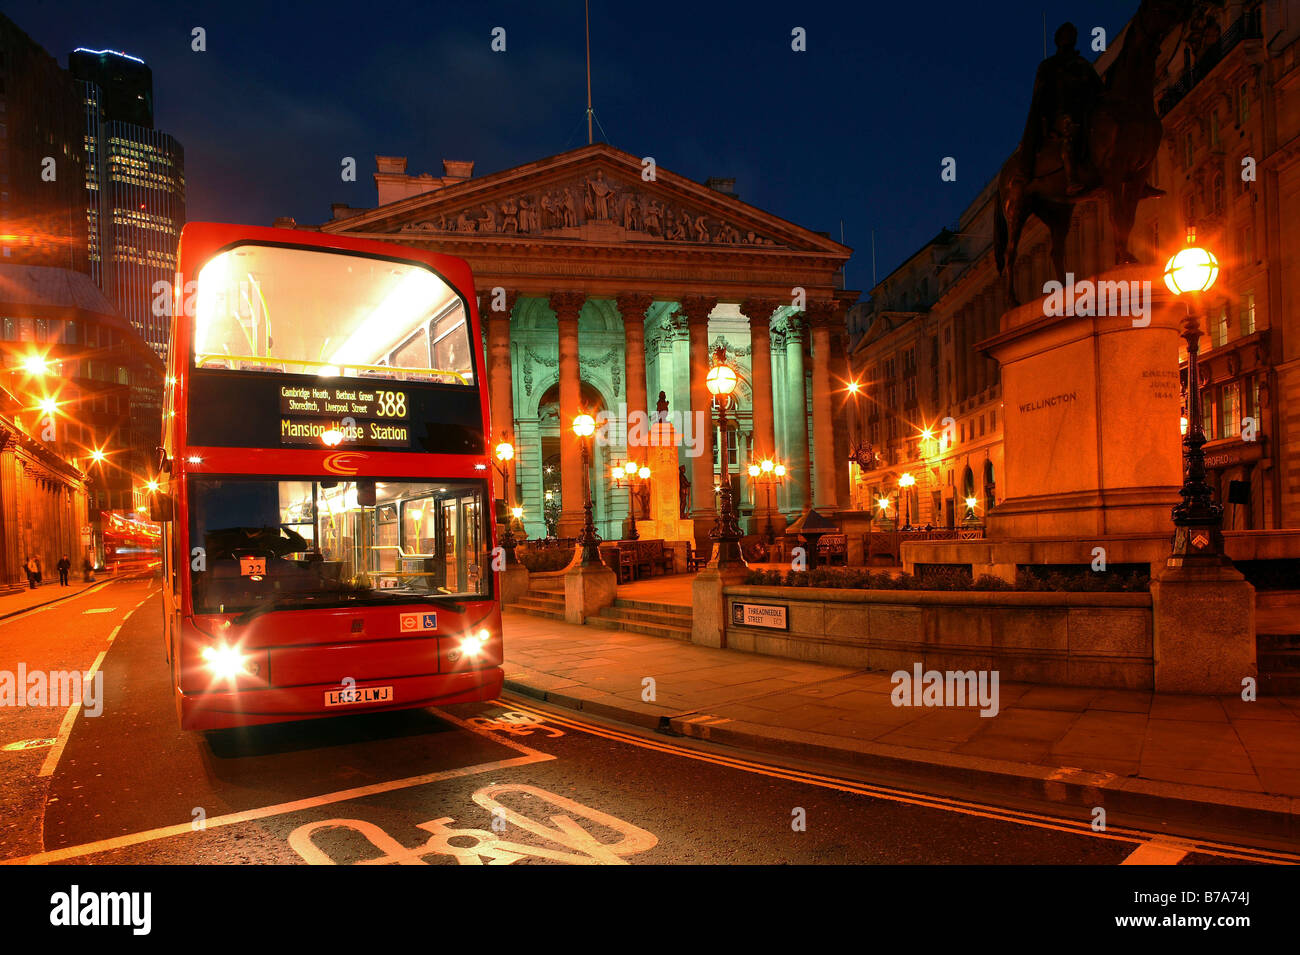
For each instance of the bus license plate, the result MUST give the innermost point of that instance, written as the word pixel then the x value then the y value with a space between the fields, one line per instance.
pixel 361 694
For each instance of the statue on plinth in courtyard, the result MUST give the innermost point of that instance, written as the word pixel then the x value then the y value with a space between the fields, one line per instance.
pixel 1086 137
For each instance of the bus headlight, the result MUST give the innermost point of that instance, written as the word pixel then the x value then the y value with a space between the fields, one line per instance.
pixel 224 662
pixel 472 646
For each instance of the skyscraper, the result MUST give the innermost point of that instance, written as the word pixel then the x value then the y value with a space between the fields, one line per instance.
pixel 135 187
pixel 41 160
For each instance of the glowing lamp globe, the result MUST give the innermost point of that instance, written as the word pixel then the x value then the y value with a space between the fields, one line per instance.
pixel 972 502
pixel 906 480
pixel 643 473
pixel 516 512
pixel 505 451
pixel 753 470
pixel 767 465
pixel 1191 269
pixel 780 470
pixel 721 380
pixel 584 426
pixel 629 468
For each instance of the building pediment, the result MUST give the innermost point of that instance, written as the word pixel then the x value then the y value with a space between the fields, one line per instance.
pixel 593 194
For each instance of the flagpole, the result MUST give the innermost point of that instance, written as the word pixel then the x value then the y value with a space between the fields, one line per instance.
pixel 587 10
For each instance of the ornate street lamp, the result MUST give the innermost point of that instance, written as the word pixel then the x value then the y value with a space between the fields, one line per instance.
pixel 584 426
pixel 505 454
pixel 905 482
pixel 1198 520
pixel 721 382
pixel 630 474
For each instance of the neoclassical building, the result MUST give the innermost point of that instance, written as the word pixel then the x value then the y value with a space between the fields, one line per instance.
pixel 604 281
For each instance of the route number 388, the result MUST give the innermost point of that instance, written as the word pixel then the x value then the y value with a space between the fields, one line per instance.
pixel 392 404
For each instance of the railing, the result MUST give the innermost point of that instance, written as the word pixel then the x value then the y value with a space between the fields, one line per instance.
pixel 890 542
pixel 1248 26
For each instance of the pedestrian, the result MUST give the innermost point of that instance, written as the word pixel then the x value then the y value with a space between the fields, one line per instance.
pixel 64 566
pixel 32 569
pixel 86 568
pixel 40 578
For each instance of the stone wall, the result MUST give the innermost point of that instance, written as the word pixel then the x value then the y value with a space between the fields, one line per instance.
pixel 1072 639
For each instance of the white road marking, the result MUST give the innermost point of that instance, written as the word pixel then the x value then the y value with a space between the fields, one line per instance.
pixel 65 728
pixel 102 610
pixel 70 718
pixel 164 832
pixel 280 809
pixel 560 829
pixel 1158 852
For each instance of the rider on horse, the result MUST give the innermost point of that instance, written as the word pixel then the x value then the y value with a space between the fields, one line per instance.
pixel 1066 87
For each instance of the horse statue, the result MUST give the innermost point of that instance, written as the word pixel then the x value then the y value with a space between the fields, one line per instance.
pixel 1119 137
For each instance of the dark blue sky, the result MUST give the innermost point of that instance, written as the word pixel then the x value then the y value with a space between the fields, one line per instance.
pixel 852 129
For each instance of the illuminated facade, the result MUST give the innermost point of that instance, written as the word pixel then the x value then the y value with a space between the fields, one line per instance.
pixel 1230 169
pixel 82 379
pixel 135 188
pixel 599 290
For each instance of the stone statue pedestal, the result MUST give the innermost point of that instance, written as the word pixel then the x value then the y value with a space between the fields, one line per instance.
pixel 1090 413
pixel 666 522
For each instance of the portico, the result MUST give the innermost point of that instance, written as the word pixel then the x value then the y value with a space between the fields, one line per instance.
pixel 604 281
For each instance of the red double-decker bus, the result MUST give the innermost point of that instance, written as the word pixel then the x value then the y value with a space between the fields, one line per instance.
pixel 323 480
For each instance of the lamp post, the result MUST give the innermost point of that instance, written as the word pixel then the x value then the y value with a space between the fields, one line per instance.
pixel 1198 520
pixel 629 473
pixel 505 454
pixel 905 482
pixel 721 382
pixel 768 473
pixel 584 426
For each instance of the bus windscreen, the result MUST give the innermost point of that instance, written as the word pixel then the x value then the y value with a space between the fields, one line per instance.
pixel 284 544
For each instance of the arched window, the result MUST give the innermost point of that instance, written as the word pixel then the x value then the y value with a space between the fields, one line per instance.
pixel 990 485
pixel 967 494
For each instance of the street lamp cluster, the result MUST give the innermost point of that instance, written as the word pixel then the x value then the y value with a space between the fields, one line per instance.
pixel 768 473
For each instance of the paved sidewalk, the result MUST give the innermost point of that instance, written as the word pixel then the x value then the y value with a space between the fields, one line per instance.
pixel 23 600
pixel 1137 748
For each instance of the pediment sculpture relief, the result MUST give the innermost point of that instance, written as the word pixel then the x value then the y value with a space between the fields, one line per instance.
pixel 560 210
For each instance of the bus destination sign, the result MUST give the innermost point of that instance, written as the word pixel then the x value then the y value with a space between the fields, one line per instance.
pixel 363 416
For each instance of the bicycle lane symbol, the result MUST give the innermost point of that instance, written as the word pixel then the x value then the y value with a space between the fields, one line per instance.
pixel 562 829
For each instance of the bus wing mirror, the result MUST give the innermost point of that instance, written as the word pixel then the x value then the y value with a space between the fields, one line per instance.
pixel 160 507
pixel 164 462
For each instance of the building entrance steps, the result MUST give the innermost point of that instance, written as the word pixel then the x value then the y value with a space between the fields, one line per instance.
pixel 643 616
pixel 1132 751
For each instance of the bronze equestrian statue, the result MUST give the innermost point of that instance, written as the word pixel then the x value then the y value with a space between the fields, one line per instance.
pixel 1086 137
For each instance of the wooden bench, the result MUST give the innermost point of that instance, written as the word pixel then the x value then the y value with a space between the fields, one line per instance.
pixel 632 560
pixel 695 559
pixel 833 549
pixel 654 556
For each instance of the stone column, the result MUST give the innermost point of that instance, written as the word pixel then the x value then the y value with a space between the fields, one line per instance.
pixel 759 313
pixel 501 397
pixel 697 309
pixel 633 308
pixel 798 478
pixel 820 316
pixel 567 306
pixel 845 410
